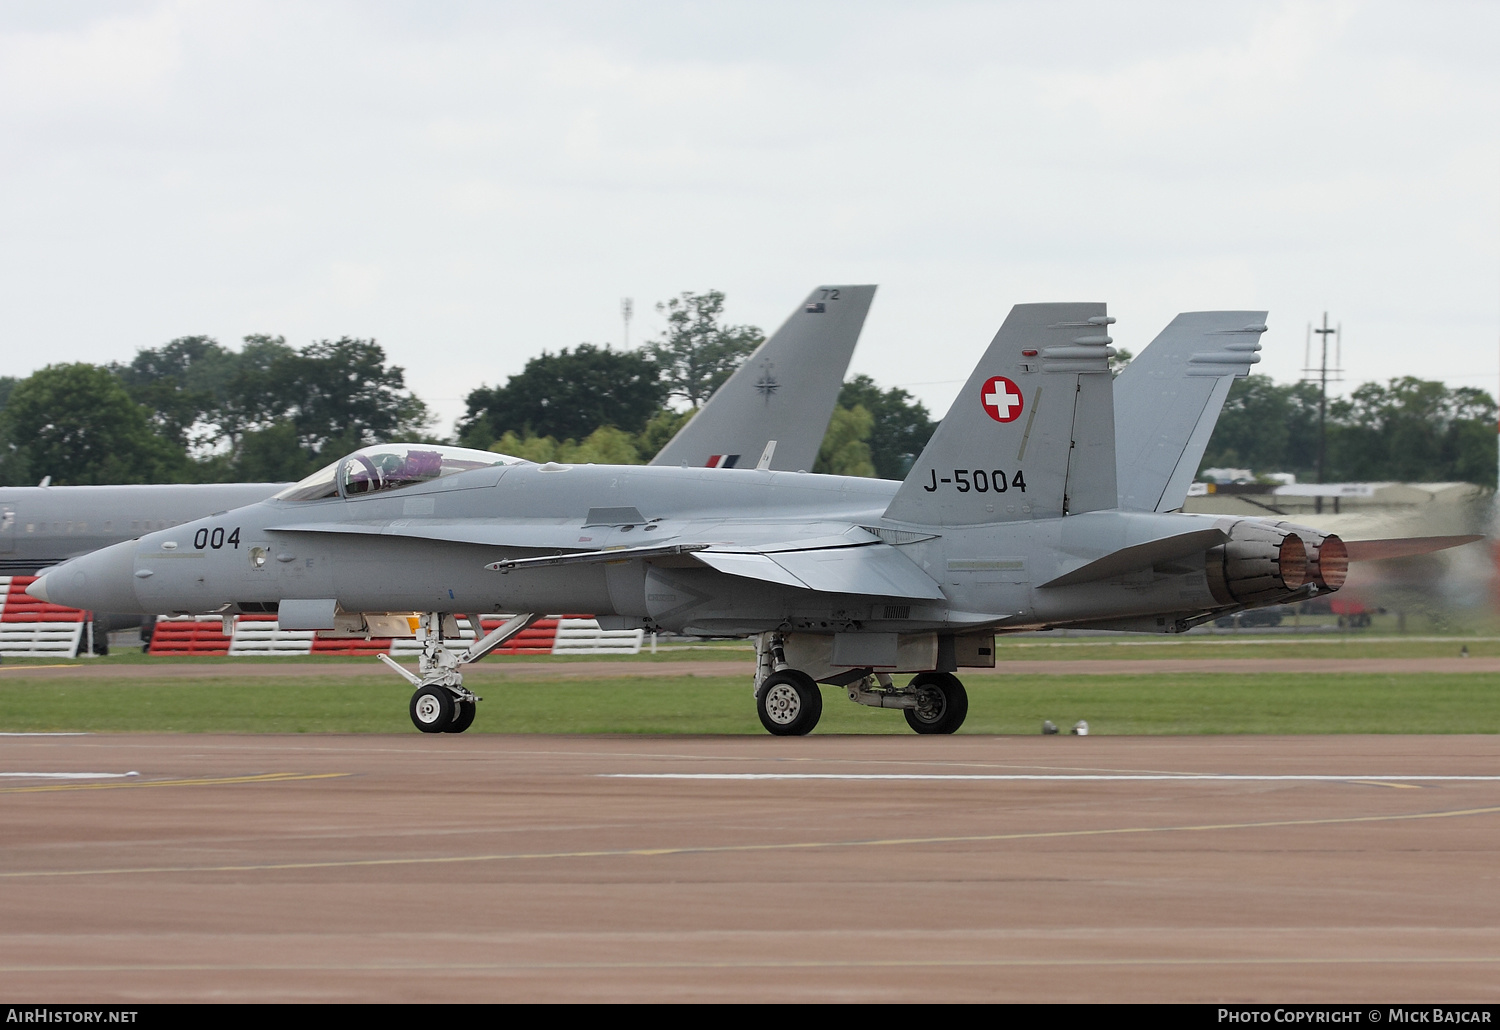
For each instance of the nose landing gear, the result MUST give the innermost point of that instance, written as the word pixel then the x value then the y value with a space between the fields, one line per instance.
pixel 442 704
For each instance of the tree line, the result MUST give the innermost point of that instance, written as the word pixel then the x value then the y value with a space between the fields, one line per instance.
pixel 194 410
pixel 1406 430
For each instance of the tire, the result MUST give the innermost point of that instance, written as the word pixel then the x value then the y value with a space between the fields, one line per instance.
pixel 463 716
pixel 789 703
pixel 432 709
pixel 942 703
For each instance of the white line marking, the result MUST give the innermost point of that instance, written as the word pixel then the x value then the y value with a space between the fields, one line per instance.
pixel 43 734
pixel 68 775
pixel 1352 777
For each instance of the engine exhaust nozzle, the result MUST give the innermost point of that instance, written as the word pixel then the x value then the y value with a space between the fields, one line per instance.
pixel 1292 562
pixel 1330 563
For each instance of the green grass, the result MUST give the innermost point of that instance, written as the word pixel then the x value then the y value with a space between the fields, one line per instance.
pixel 1037 648
pixel 1175 704
pixel 730 650
pixel 1034 647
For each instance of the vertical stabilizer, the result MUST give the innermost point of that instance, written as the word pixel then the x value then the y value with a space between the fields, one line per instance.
pixel 1031 434
pixel 1168 400
pixel 785 392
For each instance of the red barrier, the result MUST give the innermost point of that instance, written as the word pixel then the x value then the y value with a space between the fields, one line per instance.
pixel 22 607
pixel 189 637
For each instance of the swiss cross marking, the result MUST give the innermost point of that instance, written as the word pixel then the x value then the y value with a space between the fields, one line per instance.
pixel 1001 399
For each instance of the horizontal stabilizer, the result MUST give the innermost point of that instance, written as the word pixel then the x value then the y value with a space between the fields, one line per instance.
pixel 1142 556
pixel 1376 550
pixel 877 569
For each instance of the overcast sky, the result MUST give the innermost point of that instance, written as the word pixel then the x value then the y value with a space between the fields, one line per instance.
pixel 473 183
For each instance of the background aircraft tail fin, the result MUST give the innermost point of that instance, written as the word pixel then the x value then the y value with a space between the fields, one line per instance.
pixel 1168 400
pixel 1031 434
pixel 786 391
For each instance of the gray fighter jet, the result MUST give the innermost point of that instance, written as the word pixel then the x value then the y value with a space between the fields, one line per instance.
pixel 1010 520
pixel 43 525
pixel 776 408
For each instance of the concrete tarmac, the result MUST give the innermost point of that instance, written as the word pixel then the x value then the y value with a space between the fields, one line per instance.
pixel 496 868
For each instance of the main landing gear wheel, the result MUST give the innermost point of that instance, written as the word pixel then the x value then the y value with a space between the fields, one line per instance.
pixel 942 703
pixel 789 703
pixel 432 709
pixel 463 716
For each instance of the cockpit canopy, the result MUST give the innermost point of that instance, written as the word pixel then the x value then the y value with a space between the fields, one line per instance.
pixel 390 466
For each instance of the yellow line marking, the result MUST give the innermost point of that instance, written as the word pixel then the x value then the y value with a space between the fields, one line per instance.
pixel 1382 783
pixel 723 849
pixel 23 668
pixel 209 781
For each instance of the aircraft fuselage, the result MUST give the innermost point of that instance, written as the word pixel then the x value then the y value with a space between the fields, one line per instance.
pixel 426 547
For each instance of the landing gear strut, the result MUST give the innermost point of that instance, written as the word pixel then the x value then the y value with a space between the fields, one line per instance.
pixel 442 704
pixel 933 702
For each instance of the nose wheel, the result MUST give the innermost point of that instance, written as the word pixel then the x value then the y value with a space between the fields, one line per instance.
pixel 441 703
pixel 432 709
pixel 463 715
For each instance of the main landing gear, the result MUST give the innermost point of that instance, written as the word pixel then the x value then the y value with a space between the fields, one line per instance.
pixel 790 703
pixel 442 704
pixel 942 703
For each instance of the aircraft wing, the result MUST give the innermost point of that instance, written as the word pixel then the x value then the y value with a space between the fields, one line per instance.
pixel 877 569
pixel 829 558
pixel 605 556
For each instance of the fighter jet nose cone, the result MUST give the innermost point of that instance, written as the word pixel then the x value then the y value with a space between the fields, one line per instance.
pixel 102 582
